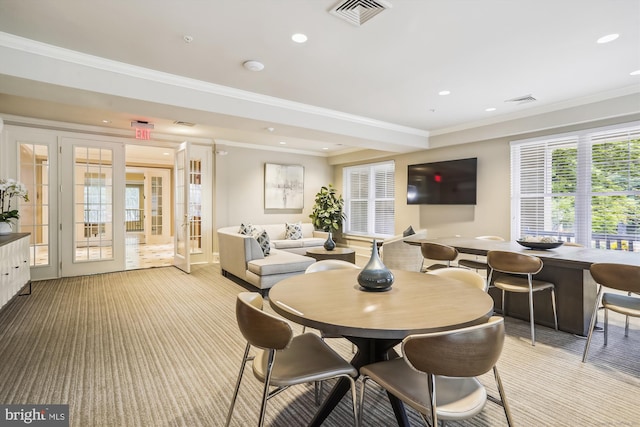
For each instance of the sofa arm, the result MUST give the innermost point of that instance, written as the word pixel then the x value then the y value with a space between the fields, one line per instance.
pixel 236 250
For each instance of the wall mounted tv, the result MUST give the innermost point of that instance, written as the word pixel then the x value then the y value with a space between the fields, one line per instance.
pixel 451 182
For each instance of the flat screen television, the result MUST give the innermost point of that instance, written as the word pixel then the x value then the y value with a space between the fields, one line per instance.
pixel 451 182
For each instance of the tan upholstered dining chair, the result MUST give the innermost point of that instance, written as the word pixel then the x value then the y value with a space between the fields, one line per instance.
pixel 324 265
pixel 438 252
pixel 283 360
pixel 437 374
pixel 620 277
pixel 519 269
pixel 462 274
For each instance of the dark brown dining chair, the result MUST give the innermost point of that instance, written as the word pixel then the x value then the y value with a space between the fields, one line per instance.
pixel 283 360
pixel 620 277
pixel 519 269
pixel 437 374
pixel 438 252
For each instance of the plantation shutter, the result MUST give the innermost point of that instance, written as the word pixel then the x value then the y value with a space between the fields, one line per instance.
pixel 582 187
pixel 370 199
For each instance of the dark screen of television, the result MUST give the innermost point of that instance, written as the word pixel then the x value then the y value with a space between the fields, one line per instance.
pixel 451 182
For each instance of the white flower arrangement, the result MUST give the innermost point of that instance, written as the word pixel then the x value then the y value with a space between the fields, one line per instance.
pixel 10 188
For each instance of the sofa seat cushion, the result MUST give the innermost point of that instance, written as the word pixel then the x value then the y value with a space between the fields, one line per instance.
pixel 313 242
pixel 285 244
pixel 279 262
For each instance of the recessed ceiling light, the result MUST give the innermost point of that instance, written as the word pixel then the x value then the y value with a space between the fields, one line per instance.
pixel 299 38
pixel 165 154
pixel 325 148
pixel 270 129
pixel 187 39
pixel 490 109
pixel 252 65
pixel 283 143
pixel 608 38
pixel 106 121
pixel 635 73
pixel 444 92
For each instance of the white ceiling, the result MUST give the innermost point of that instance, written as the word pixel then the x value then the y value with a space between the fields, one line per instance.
pixel 374 86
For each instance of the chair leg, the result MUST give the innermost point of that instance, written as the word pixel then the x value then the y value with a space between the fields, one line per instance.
pixel 361 403
pixel 626 326
pixel 594 316
pixel 354 402
pixel 503 304
pixel 553 304
pixel 503 397
pixel 317 391
pixel 531 320
pixel 606 325
pixel 431 380
pixel 626 323
pixel 245 358
pixel 265 392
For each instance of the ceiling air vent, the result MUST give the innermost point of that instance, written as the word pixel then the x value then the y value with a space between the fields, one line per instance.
pixel 178 122
pixel 522 99
pixel 357 12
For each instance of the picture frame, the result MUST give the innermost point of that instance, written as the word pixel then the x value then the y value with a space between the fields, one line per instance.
pixel 283 186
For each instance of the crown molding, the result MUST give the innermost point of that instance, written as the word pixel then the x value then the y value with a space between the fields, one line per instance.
pixel 61 54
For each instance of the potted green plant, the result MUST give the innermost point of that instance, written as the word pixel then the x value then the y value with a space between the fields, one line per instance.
pixel 327 213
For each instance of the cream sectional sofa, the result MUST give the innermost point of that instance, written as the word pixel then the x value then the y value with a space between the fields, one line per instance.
pixel 241 255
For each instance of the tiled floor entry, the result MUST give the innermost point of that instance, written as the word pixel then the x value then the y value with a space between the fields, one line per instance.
pixel 138 255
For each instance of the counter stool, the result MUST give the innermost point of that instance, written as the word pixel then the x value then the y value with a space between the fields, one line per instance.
pixel 516 265
pixel 438 252
pixel 620 277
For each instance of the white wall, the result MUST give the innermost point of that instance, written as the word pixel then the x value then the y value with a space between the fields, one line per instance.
pixel 239 186
pixel 492 214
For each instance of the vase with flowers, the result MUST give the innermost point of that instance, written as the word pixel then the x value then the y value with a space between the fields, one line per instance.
pixel 10 189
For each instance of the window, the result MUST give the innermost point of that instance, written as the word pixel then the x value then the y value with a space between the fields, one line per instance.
pixel 369 199
pixel 582 187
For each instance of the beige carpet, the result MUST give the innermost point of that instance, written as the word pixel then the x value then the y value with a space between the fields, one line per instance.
pixel 161 348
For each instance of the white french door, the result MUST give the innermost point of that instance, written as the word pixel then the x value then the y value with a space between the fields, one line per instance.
pixel 158 206
pixel 182 229
pixel 92 192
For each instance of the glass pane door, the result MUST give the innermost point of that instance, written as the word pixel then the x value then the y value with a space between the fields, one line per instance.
pixel 37 170
pixel 182 253
pixel 93 236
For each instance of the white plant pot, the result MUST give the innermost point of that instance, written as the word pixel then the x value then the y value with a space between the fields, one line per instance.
pixel 5 228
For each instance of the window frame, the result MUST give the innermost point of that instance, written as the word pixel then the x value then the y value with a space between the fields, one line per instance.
pixel 584 141
pixel 371 169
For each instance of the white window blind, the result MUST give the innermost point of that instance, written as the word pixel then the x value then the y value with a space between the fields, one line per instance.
pixel 370 199
pixel 582 187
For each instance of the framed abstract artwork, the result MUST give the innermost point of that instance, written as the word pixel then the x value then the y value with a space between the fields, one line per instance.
pixel 283 186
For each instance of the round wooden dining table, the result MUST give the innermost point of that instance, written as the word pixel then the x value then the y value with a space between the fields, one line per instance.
pixel 333 302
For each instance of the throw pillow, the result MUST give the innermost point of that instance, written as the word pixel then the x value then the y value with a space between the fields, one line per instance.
pixel 408 232
pixel 293 231
pixel 263 240
pixel 246 229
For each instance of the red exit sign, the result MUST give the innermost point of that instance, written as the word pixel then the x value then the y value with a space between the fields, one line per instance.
pixel 142 133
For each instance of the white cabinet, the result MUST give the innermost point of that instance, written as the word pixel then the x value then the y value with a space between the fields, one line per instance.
pixel 14 265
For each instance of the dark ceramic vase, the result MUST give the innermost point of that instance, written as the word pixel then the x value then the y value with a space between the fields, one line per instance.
pixel 329 244
pixel 375 276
